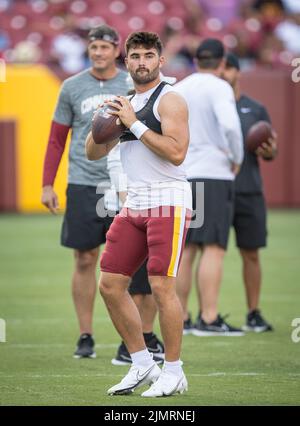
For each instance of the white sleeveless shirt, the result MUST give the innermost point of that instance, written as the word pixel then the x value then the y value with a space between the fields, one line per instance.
pixel 152 181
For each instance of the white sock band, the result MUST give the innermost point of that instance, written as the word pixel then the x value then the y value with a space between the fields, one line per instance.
pixel 174 367
pixel 138 129
pixel 142 358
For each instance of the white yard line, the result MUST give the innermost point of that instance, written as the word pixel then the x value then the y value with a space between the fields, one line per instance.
pixel 225 374
pixel 43 376
pixel 24 321
pixel 55 345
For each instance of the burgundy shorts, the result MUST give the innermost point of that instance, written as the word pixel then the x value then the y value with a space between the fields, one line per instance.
pixel 134 235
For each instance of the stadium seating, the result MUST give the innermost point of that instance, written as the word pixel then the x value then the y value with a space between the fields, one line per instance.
pixel 40 21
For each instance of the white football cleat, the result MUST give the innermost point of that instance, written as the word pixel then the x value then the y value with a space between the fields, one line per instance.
pixel 166 385
pixel 136 377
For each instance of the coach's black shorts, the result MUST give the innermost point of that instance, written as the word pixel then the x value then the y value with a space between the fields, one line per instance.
pixel 218 211
pixel 83 229
pixel 139 283
pixel 249 221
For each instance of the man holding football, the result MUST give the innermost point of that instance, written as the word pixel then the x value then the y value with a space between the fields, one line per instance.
pixel 154 220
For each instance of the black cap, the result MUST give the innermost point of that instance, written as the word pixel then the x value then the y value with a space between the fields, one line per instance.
pixel 210 48
pixel 105 33
pixel 232 61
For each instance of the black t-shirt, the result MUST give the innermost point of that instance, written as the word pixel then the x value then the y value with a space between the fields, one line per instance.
pixel 249 179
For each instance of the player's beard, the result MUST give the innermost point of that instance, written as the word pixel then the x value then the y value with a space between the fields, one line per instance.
pixel 145 77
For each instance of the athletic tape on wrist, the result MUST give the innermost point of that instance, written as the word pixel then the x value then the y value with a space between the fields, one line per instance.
pixel 138 129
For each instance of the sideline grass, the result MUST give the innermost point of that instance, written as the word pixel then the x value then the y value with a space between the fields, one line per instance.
pixel 36 364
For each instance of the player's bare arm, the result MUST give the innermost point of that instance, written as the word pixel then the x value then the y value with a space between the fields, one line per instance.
pixel 96 151
pixel 173 143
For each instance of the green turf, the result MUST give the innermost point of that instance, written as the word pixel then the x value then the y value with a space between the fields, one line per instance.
pixel 36 364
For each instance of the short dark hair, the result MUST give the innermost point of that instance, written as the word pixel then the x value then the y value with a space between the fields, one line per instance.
pixel 232 61
pixel 209 63
pixel 210 53
pixel 105 33
pixel 145 39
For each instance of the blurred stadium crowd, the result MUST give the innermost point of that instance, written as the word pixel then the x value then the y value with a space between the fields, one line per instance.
pixel 262 32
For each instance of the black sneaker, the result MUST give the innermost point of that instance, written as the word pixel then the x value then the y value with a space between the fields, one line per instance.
pixel 216 328
pixel 255 322
pixel 154 346
pixel 123 357
pixel 188 326
pixel 85 347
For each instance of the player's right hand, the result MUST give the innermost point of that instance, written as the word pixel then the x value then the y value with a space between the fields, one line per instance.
pixel 49 199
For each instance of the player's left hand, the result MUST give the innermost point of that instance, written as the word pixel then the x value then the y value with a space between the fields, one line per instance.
pixel 235 168
pixel 124 111
pixel 268 150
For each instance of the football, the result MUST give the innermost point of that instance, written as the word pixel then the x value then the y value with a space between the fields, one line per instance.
pixel 106 127
pixel 259 133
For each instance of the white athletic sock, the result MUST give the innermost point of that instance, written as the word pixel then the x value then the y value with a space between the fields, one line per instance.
pixel 174 367
pixel 142 358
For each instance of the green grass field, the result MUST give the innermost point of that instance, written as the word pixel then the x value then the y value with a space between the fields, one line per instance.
pixel 36 364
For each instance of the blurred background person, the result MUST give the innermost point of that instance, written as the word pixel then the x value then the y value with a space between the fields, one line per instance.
pixel 249 220
pixel 83 230
pixel 214 156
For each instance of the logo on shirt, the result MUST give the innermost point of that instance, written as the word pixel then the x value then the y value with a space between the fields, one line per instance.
pixel 92 103
pixel 245 110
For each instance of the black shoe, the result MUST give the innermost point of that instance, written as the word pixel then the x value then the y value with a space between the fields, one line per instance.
pixel 188 326
pixel 216 328
pixel 154 346
pixel 123 357
pixel 85 347
pixel 255 322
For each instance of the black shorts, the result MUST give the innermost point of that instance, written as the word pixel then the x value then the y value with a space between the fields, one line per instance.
pixel 83 229
pixel 139 283
pixel 249 221
pixel 218 211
